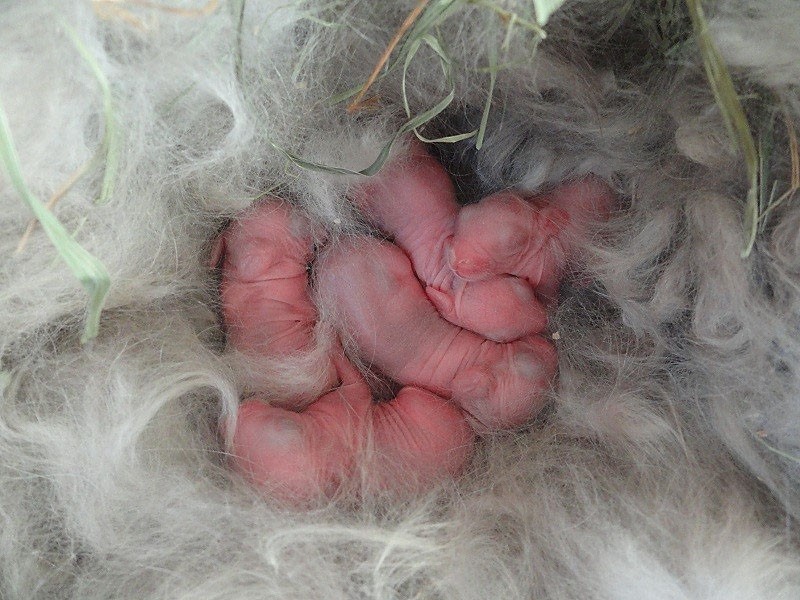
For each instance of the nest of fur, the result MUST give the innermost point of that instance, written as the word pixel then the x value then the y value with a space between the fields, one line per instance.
pixel 667 466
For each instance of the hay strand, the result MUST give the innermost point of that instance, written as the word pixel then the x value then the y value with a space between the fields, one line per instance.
pixel 110 142
pixel 733 115
pixel 51 205
pixel 85 267
pixel 418 29
pixel 401 31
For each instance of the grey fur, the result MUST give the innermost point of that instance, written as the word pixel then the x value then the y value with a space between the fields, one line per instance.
pixel 667 467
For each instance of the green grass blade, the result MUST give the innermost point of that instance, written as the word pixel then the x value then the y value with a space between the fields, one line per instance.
pixel 440 106
pixel 434 14
pixel 110 143
pixel 489 94
pixel 85 267
pixel 345 95
pixel 733 114
pixel 765 148
pixel 412 124
pixel 447 139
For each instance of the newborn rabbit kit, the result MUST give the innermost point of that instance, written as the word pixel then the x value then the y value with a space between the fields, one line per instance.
pixel 427 299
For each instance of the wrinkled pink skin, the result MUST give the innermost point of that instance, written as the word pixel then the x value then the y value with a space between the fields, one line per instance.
pixel 413 200
pixel 421 436
pixel 498 385
pixel 507 234
pixel 417 438
pixel 264 288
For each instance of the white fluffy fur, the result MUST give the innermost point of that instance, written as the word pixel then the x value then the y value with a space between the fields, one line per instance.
pixel 665 468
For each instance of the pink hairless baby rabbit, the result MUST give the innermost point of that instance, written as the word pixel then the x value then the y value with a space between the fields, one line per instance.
pixel 451 309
